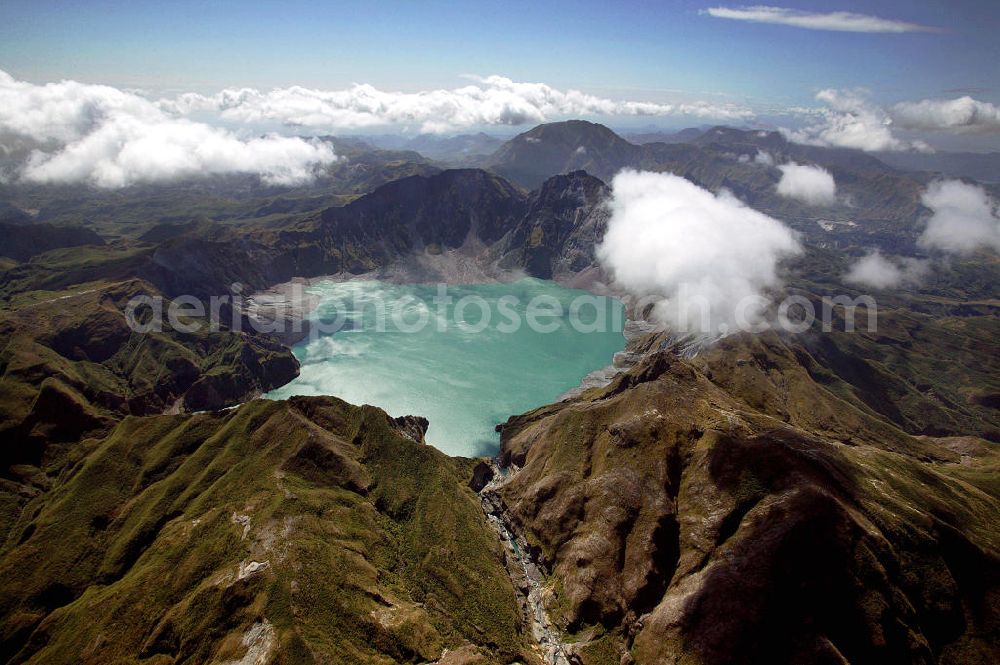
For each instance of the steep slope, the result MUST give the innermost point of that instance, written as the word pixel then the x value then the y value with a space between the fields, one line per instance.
pixel 564 221
pixel 438 210
pixel 409 224
pixel 71 365
pixel 684 516
pixel 300 531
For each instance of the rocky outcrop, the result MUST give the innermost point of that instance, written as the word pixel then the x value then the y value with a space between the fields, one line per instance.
pixel 565 220
pixel 412 427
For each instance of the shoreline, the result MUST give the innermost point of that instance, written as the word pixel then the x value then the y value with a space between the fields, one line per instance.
pixel 290 302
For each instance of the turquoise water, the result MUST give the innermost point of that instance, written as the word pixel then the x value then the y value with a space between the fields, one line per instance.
pixel 465 371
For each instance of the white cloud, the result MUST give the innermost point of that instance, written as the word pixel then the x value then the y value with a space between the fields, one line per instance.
pixel 850 120
pixel 763 158
pixel 127 151
pixel 494 100
pixel 873 270
pixel 810 184
pixel 706 258
pixel 836 21
pixel 964 218
pixel 111 138
pixel 962 114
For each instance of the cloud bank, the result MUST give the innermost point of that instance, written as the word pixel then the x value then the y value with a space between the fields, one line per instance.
pixel 876 271
pixel 963 114
pixel 964 218
pixel 706 259
pixel 835 21
pixel 810 184
pixel 110 138
pixel 73 132
pixel 850 120
pixel 494 100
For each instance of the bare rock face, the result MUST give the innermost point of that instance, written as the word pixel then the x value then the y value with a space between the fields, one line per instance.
pixel 412 427
pixel 482 474
pixel 679 524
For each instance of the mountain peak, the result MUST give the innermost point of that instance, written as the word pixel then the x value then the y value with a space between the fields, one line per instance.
pixel 560 147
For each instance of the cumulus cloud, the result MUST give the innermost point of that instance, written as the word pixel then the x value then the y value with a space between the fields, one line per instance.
pixel 963 114
pixel 873 270
pixel 964 218
pixel 706 259
pixel 494 100
pixel 836 21
pixel 810 184
pixel 111 138
pixel 850 120
pixel 127 151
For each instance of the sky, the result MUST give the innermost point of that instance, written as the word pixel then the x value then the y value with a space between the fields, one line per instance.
pixel 662 50
pixel 88 90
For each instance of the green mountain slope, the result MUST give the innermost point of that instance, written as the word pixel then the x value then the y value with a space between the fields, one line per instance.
pixel 307 531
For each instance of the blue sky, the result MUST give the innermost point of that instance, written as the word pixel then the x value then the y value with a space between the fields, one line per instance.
pixel 652 50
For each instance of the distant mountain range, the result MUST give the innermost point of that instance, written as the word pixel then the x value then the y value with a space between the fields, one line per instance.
pixel 463 149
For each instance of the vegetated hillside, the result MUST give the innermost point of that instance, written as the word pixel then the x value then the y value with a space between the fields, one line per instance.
pixel 300 531
pixel 750 505
pixel 71 366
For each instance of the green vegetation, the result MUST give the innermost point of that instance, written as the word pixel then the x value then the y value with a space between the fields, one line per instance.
pixel 374 546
